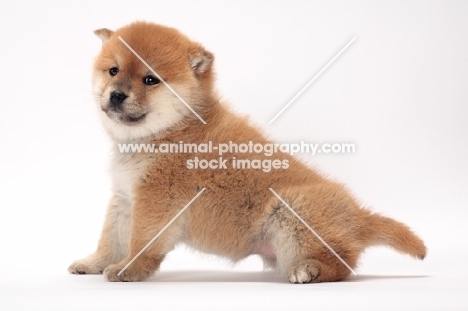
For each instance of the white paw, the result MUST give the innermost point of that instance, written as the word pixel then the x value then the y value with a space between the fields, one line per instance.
pixel 304 273
pixel 131 274
pixel 86 266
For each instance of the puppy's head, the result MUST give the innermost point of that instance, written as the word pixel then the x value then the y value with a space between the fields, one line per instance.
pixel 134 82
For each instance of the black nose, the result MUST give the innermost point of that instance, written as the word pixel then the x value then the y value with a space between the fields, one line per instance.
pixel 117 98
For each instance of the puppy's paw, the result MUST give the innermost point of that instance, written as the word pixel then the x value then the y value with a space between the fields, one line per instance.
pixel 304 273
pixel 86 266
pixel 131 274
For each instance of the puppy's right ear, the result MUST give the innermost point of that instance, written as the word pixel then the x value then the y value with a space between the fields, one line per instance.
pixel 200 60
pixel 104 34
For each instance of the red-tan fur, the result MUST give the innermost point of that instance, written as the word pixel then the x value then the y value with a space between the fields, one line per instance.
pixel 237 215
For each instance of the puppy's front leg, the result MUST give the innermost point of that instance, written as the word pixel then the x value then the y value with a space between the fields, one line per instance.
pixel 148 219
pixel 113 244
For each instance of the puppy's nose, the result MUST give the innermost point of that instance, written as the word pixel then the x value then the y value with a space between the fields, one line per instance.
pixel 117 98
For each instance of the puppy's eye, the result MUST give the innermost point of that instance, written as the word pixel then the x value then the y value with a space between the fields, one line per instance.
pixel 113 71
pixel 150 80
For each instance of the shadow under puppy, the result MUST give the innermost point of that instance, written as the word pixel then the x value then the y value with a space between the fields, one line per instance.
pixel 237 215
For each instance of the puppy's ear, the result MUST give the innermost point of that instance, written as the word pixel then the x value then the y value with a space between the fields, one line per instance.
pixel 104 34
pixel 201 60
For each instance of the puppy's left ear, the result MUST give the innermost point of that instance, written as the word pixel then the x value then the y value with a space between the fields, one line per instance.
pixel 201 60
pixel 104 34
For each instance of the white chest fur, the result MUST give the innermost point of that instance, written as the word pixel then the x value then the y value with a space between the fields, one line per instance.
pixel 126 171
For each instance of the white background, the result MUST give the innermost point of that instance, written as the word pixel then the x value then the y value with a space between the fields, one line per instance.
pixel 399 93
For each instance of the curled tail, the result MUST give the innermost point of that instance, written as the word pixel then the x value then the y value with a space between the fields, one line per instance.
pixel 386 231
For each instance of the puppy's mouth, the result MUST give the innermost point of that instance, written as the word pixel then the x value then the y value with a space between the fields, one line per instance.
pixel 133 120
pixel 125 118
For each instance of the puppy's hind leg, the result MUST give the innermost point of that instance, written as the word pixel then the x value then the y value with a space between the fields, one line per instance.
pixel 113 244
pixel 306 260
pixel 301 256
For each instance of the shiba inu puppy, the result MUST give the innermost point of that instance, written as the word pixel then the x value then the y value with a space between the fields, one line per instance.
pixel 237 214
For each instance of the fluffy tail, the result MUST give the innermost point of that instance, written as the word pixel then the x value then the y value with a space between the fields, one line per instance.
pixel 386 231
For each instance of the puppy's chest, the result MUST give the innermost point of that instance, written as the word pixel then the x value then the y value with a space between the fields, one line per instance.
pixel 127 171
